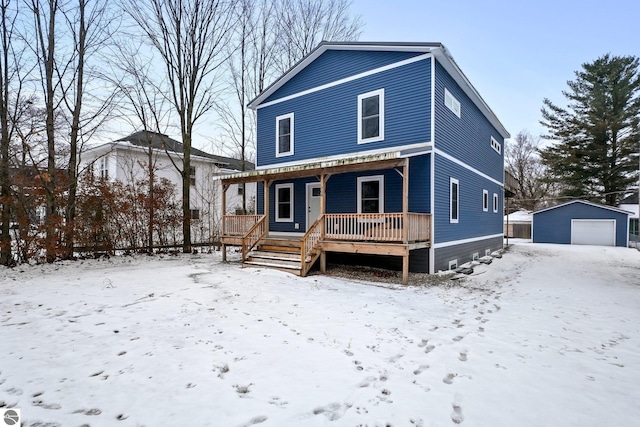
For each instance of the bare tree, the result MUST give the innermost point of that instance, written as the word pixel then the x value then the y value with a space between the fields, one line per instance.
pixel 303 24
pixel 191 38
pixel 523 162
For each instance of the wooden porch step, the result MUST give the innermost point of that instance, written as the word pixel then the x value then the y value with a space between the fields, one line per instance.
pixel 281 242
pixel 281 249
pixel 275 255
pixel 290 266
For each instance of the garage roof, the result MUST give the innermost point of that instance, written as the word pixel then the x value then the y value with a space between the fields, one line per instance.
pixel 585 202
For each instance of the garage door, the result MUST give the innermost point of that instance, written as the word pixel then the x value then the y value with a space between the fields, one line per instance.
pixel 601 232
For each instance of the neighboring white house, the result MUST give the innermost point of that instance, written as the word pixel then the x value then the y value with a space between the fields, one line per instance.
pixel 519 224
pixel 630 204
pixel 127 160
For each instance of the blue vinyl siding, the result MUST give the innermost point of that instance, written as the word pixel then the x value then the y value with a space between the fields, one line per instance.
pixel 334 65
pixel 554 225
pixel 467 137
pixel 473 221
pixel 326 121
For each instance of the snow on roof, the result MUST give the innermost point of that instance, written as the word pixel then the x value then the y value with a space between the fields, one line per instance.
pixel 520 216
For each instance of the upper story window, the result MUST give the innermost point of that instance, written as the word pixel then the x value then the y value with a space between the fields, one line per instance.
pixel 371 116
pixel 451 102
pixel 284 202
pixel 485 200
pixel 495 203
pixel 192 175
pixel 104 168
pixel 496 145
pixel 371 194
pixel 454 201
pixel 284 135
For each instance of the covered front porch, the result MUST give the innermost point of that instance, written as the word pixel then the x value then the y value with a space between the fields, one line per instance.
pixel 363 232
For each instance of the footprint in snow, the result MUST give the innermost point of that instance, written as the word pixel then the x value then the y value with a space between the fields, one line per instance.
pixel 449 378
pixel 456 414
pixel 458 338
pixel 420 369
pixel 463 356
pixel 255 420
pixel 333 411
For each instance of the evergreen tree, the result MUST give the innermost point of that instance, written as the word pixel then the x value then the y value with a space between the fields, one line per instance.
pixel 598 131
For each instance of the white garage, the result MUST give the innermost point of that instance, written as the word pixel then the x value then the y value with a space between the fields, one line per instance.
pixel 601 232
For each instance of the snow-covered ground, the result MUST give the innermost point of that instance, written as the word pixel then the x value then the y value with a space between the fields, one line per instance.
pixel 546 336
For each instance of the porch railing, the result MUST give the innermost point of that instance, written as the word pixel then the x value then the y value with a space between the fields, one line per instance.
pixel 384 227
pixel 309 243
pixel 253 236
pixel 238 225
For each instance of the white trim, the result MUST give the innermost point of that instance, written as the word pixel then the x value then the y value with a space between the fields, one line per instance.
pixel 344 80
pixel 370 178
pixel 291 133
pixel 380 94
pixel 496 145
pixel 310 186
pixel 398 150
pixel 432 252
pixel 611 208
pixel 453 220
pixel 466 166
pixel 453 264
pixel 285 233
pixel 496 203
pixel 615 227
pixel 463 241
pixel 453 103
pixel 277 202
pixel 485 200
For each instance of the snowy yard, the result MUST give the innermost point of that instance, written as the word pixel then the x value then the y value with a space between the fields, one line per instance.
pixel 546 336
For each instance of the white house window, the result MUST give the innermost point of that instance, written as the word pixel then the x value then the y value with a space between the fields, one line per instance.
pixel 240 189
pixel 195 214
pixel 496 145
pixel 485 200
pixel 192 175
pixel 104 168
pixel 495 203
pixel 371 194
pixel 284 135
pixel 454 199
pixel 371 116
pixel 451 102
pixel 284 202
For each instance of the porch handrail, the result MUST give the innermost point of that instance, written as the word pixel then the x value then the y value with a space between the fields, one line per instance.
pixel 238 225
pixel 377 227
pixel 310 240
pixel 253 236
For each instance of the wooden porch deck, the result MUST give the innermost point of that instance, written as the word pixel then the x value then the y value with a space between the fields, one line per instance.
pixel 390 234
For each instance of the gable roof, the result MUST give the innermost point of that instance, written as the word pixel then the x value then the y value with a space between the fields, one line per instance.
pixel 159 141
pixel 437 49
pixel 585 202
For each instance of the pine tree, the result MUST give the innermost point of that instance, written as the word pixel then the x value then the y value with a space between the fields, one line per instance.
pixel 598 132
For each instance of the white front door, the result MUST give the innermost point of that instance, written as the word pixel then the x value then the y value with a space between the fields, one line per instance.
pixel 313 203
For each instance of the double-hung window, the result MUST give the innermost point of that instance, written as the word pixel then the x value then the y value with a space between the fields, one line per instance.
pixel 284 202
pixel 192 175
pixel 371 116
pixel 371 194
pixel 284 135
pixel 485 200
pixel 104 168
pixel 454 201
pixel 495 203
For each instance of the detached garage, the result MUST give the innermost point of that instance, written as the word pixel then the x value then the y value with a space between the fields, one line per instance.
pixel 581 223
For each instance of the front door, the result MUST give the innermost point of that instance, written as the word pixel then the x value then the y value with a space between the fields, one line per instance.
pixel 313 203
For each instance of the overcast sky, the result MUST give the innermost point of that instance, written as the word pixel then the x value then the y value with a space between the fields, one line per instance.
pixel 514 52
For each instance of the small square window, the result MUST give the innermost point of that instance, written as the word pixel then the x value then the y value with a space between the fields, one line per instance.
pixel 485 200
pixel 371 116
pixel 496 145
pixel 451 102
pixel 315 192
pixel 284 135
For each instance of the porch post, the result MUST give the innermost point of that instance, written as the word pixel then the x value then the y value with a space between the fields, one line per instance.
pixel 323 255
pixel 405 266
pixel 266 184
pixel 405 221
pixel 225 187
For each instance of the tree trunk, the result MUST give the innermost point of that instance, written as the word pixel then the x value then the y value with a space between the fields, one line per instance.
pixel 5 187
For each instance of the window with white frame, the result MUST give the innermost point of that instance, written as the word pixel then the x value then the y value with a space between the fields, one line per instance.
pixel 192 175
pixel 496 145
pixel 284 135
pixel 495 203
pixel 371 116
pixel 284 202
pixel 454 199
pixel 104 168
pixel 451 102
pixel 241 189
pixel 485 200
pixel 371 194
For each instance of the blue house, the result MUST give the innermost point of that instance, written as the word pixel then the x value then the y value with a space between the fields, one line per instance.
pixel 383 149
pixel 580 222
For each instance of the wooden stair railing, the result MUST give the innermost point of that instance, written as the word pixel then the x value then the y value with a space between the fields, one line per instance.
pixel 253 236
pixel 309 243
